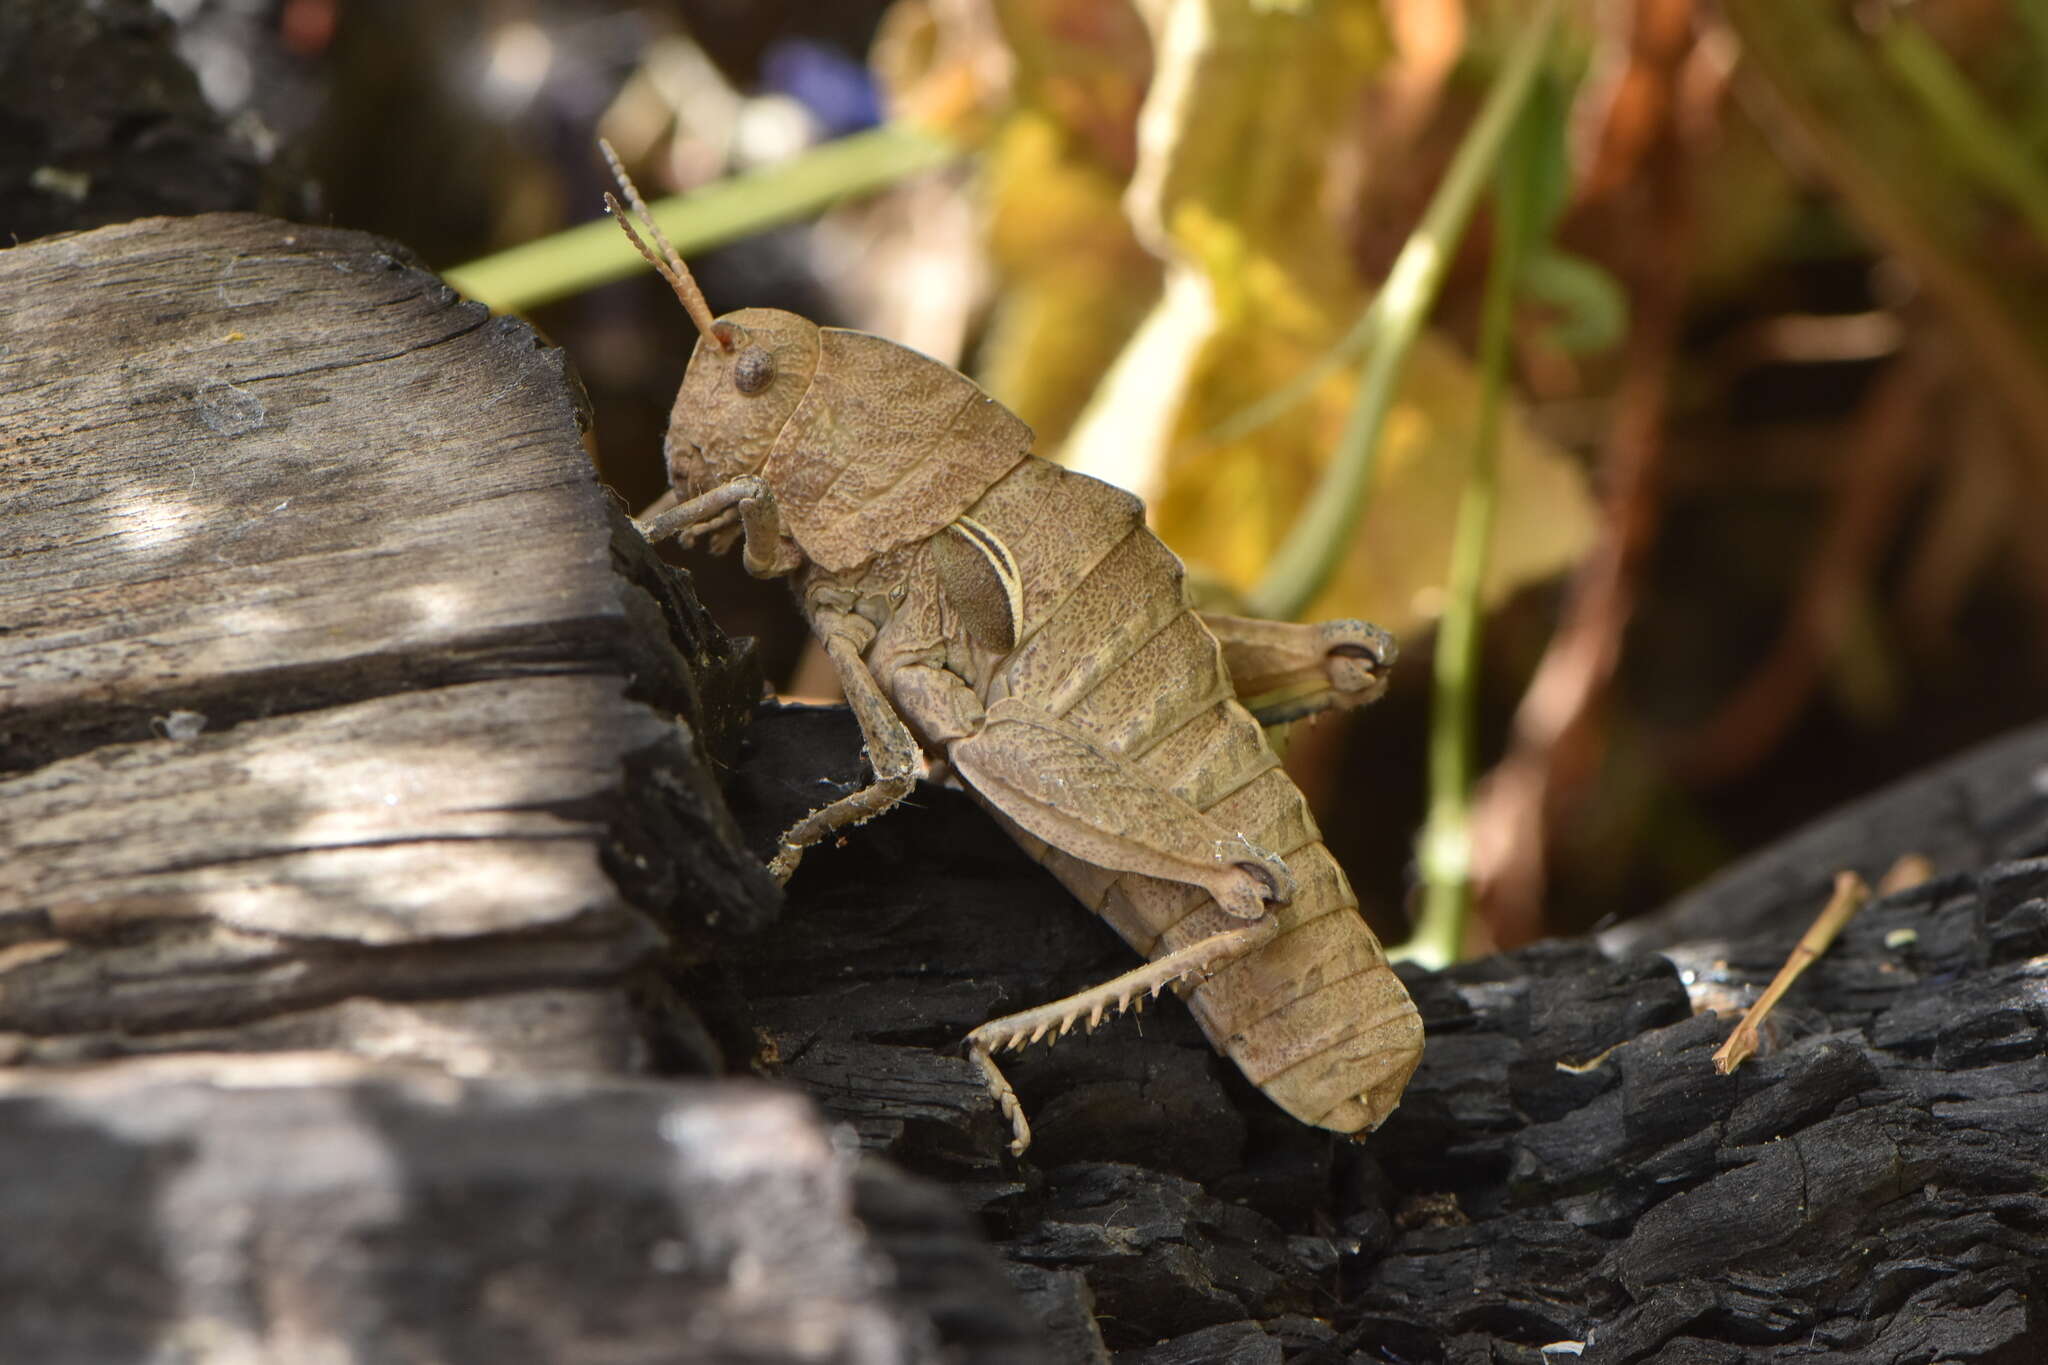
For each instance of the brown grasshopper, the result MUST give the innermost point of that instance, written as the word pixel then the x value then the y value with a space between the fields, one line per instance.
pixel 1018 621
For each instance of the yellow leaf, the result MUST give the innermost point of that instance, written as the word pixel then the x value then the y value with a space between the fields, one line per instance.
pixel 1227 506
pixel 1074 281
pixel 1251 110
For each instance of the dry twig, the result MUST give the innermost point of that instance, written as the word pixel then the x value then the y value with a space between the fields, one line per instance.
pixel 1850 894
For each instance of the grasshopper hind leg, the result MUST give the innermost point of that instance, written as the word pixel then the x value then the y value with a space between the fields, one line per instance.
pixel 1013 1031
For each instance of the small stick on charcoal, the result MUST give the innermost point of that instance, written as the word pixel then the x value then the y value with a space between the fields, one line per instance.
pixel 1850 893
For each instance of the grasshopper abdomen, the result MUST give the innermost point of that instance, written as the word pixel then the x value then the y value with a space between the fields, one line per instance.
pixel 1107 644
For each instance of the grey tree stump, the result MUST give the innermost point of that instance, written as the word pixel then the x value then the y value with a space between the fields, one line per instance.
pixel 342 719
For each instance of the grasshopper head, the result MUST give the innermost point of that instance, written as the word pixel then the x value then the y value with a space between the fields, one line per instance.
pixel 745 378
pixel 748 373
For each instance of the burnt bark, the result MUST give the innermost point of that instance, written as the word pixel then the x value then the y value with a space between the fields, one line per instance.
pixel 1567 1169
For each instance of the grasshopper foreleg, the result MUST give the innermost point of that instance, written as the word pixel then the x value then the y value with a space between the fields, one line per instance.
pixel 892 751
pixel 1286 670
pixel 769 553
pixel 1198 959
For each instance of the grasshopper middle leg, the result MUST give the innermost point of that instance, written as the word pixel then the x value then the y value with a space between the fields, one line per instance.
pixel 892 750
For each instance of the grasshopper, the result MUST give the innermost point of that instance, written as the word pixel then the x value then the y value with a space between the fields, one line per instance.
pixel 1018 622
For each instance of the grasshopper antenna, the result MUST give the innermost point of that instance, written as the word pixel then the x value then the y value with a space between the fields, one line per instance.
pixel 668 263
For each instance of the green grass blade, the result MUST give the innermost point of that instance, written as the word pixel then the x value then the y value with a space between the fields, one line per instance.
pixel 1444 849
pixel 598 253
pixel 1975 135
pixel 1316 544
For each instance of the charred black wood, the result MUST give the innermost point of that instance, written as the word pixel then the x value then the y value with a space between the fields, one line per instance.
pixel 1568 1170
pixel 1979 809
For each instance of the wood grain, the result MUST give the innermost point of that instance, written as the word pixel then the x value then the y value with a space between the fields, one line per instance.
pixel 331 687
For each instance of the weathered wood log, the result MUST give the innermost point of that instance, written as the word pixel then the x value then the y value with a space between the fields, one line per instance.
pixel 339 710
pixel 1567 1170
pixel 297 1208
pixel 315 683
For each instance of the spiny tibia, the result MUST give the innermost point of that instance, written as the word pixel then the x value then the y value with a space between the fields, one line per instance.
pixel 1121 993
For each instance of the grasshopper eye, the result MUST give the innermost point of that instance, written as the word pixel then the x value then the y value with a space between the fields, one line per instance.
pixel 753 371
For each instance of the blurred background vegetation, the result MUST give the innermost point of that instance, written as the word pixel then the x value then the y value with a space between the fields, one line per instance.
pixel 1756 441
